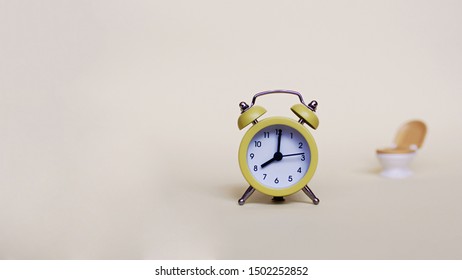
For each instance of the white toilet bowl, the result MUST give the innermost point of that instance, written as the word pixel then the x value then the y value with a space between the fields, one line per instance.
pixel 396 165
pixel 397 159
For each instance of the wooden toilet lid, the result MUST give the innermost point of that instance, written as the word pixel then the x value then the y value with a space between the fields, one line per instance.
pixel 411 134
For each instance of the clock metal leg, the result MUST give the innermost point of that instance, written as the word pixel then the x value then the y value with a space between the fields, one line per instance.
pixel 246 195
pixel 310 194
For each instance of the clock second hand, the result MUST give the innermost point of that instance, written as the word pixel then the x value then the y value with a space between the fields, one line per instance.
pixel 289 155
pixel 278 156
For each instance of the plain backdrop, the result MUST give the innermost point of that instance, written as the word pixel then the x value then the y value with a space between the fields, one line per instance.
pixel 119 138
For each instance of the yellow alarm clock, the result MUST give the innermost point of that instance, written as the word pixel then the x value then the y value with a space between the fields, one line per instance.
pixel 278 155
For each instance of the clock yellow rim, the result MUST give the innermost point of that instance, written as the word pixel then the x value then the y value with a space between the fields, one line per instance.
pixel 243 156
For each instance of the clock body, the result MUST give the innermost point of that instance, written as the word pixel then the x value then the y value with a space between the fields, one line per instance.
pixel 278 156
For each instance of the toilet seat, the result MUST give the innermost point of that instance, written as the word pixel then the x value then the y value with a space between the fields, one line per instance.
pixel 397 150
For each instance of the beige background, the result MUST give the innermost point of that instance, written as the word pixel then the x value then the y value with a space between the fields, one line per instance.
pixel 119 136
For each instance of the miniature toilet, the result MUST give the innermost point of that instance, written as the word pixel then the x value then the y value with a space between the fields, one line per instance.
pixel 396 160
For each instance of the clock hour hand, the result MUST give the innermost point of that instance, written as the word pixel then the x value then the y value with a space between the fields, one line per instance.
pixel 268 162
pixel 277 156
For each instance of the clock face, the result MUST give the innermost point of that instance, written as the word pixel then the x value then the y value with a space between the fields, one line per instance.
pixel 278 156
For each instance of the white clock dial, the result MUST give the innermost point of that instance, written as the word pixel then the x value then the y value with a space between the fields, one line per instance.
pixel 278 156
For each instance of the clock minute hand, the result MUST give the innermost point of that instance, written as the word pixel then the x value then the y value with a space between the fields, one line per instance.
pixel 277 156
pixel 279 140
